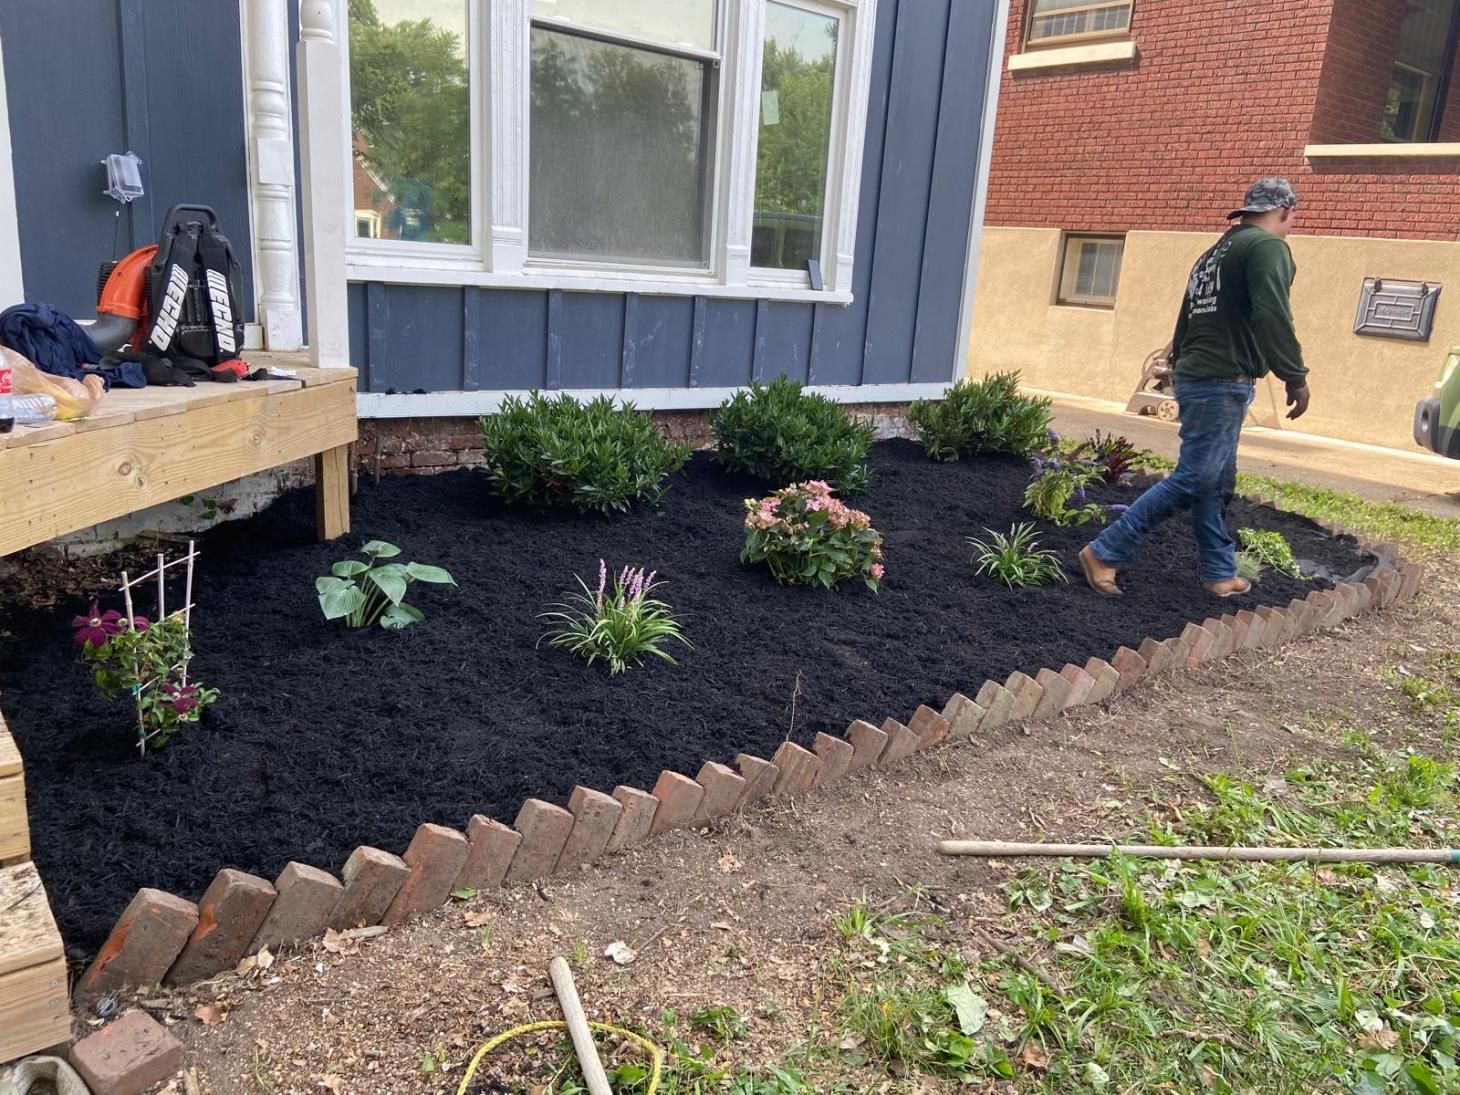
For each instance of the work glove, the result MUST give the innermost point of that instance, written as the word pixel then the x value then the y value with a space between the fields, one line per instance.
pixel 1297 399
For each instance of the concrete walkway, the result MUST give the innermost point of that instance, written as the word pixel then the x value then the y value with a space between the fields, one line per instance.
pixel 1417 479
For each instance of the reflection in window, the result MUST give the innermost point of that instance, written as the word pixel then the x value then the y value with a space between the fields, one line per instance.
pixel 1063 20
pixel 1411 109
pixel 677 22
pixel 619 151
pixel 410 112
pixel 798 71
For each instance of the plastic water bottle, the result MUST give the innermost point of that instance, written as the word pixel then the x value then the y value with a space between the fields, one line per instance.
pixel 33 410
pixel 7 410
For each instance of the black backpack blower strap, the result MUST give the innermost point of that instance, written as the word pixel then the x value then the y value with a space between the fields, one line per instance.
pixel 170 291
pixel 217 269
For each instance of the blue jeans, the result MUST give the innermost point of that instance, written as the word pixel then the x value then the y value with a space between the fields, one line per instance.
pixel 1212 412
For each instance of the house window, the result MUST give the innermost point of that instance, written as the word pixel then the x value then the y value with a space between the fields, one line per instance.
pixel 1063 21
pixel 1423 67
pixel 797 78
pixel 1090 272
pixel 656 145
pixel 622 100
pixel 410 113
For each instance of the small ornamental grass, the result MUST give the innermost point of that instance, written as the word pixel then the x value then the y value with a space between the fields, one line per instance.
pixel 1017 560
pixel 621 625
pixel 363 594
pixel 1262 548
pixel 1057 493
pixel 982 416
pixel 546 452
pixel 781 434
pixel 807 537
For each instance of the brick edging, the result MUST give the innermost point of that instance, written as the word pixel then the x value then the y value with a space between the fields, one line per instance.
pixel 165 938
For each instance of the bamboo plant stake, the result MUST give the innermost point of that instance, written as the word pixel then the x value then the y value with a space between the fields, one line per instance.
pixel 999 849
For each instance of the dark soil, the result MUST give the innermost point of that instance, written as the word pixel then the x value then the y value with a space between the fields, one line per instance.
pixel 326 739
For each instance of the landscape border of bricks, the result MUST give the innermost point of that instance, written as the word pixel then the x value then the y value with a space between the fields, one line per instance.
pixel 161 938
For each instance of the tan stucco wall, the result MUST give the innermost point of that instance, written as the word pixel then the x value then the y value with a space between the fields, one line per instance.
pixel 1364 389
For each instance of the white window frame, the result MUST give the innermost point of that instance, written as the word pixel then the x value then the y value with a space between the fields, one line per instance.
pixel 1078 37
pixel 499 59
pixel 1070 248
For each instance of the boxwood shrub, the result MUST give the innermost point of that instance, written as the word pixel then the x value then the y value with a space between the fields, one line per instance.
pixel 554 451
pixel 982 416
pixel 781 434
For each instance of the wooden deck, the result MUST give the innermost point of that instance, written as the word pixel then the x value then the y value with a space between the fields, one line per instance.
pixel 143 447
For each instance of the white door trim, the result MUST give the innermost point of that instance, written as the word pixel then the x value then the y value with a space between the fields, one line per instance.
pixel 12 282
pixel 999 35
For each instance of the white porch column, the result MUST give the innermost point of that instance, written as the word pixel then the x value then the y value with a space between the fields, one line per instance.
pixel 12 290
pixel 324 160
pixel 271 172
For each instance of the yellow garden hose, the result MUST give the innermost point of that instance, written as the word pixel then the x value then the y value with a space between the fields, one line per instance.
pixel 656 1055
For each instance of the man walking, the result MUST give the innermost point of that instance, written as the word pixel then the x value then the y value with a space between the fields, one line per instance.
pixel 1235 326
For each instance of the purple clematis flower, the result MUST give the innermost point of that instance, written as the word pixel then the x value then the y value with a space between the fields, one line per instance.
pixel 183 699
pixel 96 627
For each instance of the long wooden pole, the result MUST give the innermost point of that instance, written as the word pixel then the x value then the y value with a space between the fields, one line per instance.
pixel 999 849
pixel 593 1074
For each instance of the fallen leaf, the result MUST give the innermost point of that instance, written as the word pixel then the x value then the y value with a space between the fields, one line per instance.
pixel 1034 1058
pixel 246 965
pixel 730 863
pixel 620 952
pixel 331 1083
pixel 466 893
pixel 363 933
pixel 476 919
pixel 972 1009
pixel 210 1015
pixel 1379 1039
pixel 721 925
pixel 851 1041
pixel 334 942
pixel 265 959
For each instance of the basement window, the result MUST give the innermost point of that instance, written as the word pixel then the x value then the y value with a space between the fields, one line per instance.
pixel 1090 270
pixel 1065 22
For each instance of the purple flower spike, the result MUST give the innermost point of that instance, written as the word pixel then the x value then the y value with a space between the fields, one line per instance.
pixel 602 582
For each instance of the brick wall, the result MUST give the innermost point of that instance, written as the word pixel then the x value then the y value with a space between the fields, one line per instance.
pixel 1217 97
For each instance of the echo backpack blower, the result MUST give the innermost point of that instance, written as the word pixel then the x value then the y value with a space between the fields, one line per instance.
pixel 177 299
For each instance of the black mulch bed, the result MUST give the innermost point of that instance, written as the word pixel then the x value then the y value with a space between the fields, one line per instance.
pixel 326 739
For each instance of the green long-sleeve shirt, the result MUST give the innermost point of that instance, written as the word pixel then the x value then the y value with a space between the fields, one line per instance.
pixel 1236 319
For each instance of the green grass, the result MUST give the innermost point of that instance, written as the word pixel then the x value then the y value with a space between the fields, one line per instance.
pixel 1222 977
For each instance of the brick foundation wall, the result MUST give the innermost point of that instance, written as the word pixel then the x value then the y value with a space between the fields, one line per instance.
pixel 424 446
pixel 1221 93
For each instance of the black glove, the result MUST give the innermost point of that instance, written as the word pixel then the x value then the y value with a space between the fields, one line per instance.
pixel 1297 399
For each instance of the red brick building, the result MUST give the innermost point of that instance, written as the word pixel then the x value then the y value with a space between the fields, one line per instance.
pixel 1128 128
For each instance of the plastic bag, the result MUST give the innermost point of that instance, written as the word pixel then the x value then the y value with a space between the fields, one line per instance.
pixel 74 398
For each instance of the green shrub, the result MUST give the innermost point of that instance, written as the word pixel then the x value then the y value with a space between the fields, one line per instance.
pixel 781 434
pixel 1017 560
pixel 1056 488
pixel 620 625
pixel 1267 549
pixel 548 451
pixel 982 416
pixel 807 537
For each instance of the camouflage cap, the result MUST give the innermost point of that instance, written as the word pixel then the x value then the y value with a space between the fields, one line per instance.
pixel 1265 195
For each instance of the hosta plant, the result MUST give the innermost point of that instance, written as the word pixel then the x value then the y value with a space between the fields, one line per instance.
pixel 366 593
pixel 622 624
pixel 780 433
pixel 146 661
pixel 1057 493
pixel 1265 548
pixel 1017 560
pixel 808 537
pixel 982 416
pixel 554 451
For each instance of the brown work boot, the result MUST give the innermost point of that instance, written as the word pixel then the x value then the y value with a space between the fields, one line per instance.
pixel 1232 587
pixel 1100 576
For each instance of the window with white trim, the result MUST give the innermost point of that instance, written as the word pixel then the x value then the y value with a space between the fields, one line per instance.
pixel 1068 21
pixel 668 145
pixel 1090 271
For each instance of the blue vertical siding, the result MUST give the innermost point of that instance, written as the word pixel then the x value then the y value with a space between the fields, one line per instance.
pixel 920 161
pixel 161 78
